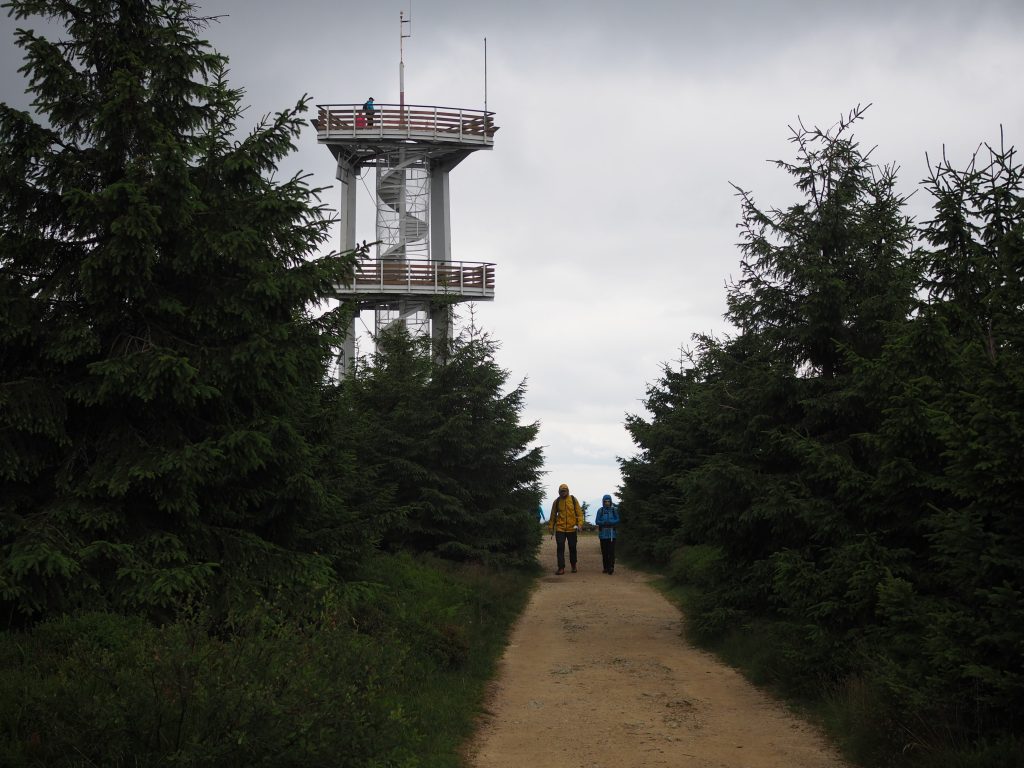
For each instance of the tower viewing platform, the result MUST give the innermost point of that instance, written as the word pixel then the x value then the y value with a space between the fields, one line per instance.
pixel 441 125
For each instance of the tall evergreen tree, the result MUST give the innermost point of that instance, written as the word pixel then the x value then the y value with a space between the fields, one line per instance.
pixel 773 474
pixel 159 363
pixel 823 281
pixel 844 473
pixel 455 471
pixel 950 447
pixel 825 276
pixel 482 446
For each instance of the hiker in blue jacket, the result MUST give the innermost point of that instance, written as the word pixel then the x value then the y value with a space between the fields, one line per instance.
pixel 606 521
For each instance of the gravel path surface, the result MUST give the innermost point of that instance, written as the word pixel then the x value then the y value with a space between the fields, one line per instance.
pixel 597 675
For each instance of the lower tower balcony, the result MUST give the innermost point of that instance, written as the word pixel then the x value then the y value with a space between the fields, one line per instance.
pixel 388 279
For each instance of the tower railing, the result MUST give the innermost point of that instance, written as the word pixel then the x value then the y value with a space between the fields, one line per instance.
pixel 421 277
pixel 392 121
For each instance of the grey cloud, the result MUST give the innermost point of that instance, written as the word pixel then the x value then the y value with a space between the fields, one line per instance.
pixel 622 124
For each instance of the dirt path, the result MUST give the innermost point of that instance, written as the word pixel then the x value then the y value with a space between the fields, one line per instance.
pixel 596 675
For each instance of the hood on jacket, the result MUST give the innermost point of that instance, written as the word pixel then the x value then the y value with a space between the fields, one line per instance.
pixel 607 497
pixel 563 487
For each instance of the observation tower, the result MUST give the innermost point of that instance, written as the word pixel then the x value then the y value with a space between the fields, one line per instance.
pixel 410 276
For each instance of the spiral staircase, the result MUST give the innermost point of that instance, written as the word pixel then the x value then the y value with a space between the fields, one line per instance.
pixel 393 192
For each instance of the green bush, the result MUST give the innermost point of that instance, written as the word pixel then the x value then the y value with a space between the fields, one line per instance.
pixel 388 671
pixel 699 564
pixel 450 622
pixel 109 690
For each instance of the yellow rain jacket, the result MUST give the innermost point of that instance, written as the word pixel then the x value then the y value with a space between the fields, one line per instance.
pixel 566 513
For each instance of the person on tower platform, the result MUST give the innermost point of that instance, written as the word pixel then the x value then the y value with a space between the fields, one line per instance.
pixel 368 111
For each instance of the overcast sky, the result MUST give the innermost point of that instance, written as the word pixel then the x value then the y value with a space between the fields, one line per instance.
pixel 606 202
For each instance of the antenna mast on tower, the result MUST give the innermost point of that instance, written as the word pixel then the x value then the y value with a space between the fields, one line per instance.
pixel 402 34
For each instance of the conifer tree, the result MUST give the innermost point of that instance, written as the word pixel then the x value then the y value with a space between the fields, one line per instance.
pixel 772 473
pixel 844 473
pixel 671 442
pixel 439 437
pixel 823 281
pixel 950 469
pixel 826 275
pixel 159 364
pixel 482 446
pixel 383 413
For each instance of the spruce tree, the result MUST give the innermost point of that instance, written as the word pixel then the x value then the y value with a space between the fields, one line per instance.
pixel 950 468
pixel 843 475
pixel 761 438
pixel 482 446
pixel 160 363
pixel 823 282
pixel 384 414
pixel 826 275
pixel 439 439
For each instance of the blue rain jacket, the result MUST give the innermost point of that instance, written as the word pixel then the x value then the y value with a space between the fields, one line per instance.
pixel 607 519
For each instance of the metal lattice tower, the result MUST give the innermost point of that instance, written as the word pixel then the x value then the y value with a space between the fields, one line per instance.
pixel 411 277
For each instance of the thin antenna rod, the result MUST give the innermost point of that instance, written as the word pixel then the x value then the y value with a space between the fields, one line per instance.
pixel 402 34
pixel 485 74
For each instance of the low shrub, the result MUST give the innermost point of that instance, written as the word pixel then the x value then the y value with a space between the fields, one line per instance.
pixel 698 564
pixel 102 689
pixel 389 672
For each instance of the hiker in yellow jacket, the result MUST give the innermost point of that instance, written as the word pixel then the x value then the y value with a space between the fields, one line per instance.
pixel 566 522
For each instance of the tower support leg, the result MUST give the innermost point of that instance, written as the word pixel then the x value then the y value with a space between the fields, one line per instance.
pixel 346 174
pixel 441 331
pixel 347 353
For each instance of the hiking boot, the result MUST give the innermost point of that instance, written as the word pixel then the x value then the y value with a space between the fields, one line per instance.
pixel 560 571
pixel 574 569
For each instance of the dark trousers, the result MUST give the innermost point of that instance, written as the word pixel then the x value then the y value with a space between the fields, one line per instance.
pixel 608 554
pixel 560 538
